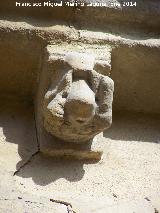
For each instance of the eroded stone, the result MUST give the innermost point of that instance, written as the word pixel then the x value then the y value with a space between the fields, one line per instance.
pixel 80 106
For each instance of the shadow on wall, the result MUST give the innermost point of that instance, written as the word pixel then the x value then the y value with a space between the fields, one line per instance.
pixel 129 126
pixel 44 170
pixel 17 123
pixel 18 126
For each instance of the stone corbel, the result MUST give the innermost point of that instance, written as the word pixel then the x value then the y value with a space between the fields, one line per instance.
pixel 76 105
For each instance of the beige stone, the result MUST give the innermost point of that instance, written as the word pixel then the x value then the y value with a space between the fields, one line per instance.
pixel 17 133
pixel 126 45
pixel 129 170
pixel 76 106
pixel 80 106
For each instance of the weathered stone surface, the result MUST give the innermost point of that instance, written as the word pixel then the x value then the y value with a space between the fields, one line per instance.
pixel 154 199
pixel 71 102
pixel 139 206
pixel 80 61
pixel 17 133
pixel 105 205
pixel 110 18
pixel 91 151
pixel 130 168
pixel 12 201
pixel 80 106
pixel 129 51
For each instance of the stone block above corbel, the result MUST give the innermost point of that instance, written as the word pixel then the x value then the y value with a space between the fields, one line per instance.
pixel 102 54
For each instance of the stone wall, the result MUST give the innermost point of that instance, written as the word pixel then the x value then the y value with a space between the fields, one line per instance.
pixel 134 56
pixel 36 80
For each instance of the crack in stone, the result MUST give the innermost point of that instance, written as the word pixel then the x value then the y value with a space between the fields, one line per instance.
pixel 34 154
pixel 61 202
pixel 70 209
pixel 36 132
pixel 155 210
pixel 26 163
pixel 67 204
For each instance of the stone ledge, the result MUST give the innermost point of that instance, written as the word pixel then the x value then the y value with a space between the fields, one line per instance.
pixel 53 33
pixel 102 18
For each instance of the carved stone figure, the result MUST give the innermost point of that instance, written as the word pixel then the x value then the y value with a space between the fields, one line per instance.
pixel 80 106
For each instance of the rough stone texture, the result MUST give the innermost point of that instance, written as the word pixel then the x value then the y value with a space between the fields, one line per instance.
pixel 90 151
pixel 144 17
pixel 140 51
pixel 136 71
pixel 17 133
pixel 128 171
pixel 56 84
pixel 155 201
pixel 140 206
pixel 80 106
pixel 12 201
pixel 19 66
pixel 128 174
pixel 135 206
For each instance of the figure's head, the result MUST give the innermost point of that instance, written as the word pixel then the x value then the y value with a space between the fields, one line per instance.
pixel 80 61
pixel 74 113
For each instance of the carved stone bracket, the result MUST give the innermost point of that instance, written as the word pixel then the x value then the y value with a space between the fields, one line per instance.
pixel 77 104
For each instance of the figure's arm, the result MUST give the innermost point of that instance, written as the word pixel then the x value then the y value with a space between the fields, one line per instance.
pixel 65 84
pixel 63 87
pixel 105 99
pixel 103 87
